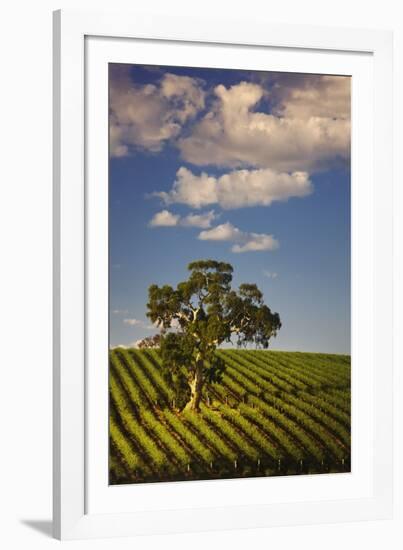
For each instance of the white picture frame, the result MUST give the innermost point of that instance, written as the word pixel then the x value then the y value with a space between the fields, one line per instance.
pixel 75 208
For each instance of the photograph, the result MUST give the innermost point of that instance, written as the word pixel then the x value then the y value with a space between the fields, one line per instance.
pixel 229 273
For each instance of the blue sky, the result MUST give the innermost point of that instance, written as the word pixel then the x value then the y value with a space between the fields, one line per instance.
pixel 247 167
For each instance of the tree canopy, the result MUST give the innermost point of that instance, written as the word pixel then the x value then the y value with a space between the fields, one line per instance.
pixel 206 312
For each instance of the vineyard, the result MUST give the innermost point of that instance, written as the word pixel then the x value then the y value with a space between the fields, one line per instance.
pixel 274 413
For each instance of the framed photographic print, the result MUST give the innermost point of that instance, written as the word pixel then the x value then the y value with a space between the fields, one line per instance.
pixel 223 295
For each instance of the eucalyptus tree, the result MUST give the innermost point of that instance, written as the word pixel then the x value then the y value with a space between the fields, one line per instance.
pixel 206 312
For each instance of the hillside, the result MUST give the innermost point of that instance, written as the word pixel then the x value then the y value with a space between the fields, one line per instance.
pixel 275 413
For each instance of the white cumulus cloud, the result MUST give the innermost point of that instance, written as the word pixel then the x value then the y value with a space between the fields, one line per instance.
pixel 185 92
pixel 165 218
pixel 307 129
pixel 132 345
pixel 236 189
pixel 138 323
pixel 146 116
pixel 244 241
pixel 256 242
pixel 224 232
pixel 132 322
pixel 306 96
pixel 199 220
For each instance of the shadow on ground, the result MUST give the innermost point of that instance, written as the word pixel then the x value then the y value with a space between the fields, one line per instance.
pixel 43 526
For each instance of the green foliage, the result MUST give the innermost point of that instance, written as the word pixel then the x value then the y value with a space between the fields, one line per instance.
pixel 207 312
pixel 227 430
pixel 144 442
pixel 208 434
pixel 123 447
pixel 165 437
pixel 176 353
pixel 144 359
pixel 255 435
pixel 150 342
pixel 190 439
pixel 274 413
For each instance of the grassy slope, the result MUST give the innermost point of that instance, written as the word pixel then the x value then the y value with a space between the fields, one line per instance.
pixel 275 413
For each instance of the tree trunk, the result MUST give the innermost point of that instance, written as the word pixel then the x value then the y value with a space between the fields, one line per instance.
pixel 196 387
